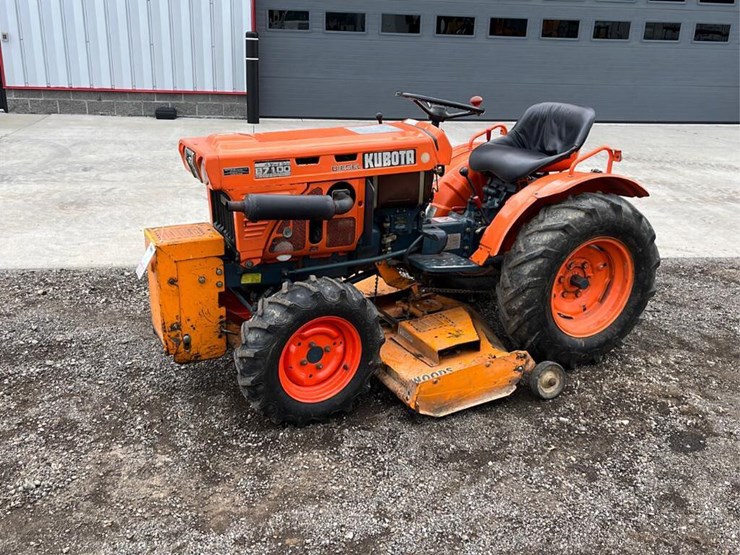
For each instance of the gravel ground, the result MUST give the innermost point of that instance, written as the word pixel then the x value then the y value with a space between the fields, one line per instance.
pixel 108 447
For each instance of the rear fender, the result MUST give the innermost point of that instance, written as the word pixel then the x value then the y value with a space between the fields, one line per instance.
pixel 550 189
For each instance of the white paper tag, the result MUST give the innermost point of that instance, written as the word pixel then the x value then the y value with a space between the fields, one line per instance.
pixel 145 260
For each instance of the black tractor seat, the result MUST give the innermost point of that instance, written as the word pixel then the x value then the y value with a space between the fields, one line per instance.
pixel 547 133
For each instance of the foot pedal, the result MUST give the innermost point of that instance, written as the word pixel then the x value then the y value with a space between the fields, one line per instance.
pixel 442 263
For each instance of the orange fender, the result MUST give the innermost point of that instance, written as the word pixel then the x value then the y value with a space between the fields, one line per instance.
pixel 453 191
pixel 550 189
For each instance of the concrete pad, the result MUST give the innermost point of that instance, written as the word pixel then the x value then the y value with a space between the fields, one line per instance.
pixel 11 123
pixel 77 191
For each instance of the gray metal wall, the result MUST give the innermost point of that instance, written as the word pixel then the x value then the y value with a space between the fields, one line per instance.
pixel 323 74
pixel 155 45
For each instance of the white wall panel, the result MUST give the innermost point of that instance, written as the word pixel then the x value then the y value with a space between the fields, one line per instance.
pixel 97 46
pixel 76 41
pixel 183 53
pixel 182 45
pixel 162 51
pixel 119 44
pixel 57 69
pixel 9 24
pixel 32 46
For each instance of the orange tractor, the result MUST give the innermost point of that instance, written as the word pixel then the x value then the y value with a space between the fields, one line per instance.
pixel 330 253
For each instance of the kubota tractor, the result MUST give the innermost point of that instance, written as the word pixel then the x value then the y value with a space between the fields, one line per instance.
pixel 328 249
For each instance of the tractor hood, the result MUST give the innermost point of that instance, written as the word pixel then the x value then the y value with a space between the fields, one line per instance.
pixel 236 161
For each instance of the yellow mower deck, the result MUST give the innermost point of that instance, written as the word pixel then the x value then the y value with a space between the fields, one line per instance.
pixel 440 357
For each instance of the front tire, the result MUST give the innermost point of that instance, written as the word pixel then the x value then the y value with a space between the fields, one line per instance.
pixel 577 278
pixel 309 351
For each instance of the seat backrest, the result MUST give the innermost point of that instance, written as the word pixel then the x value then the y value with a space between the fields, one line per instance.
pixel 552 128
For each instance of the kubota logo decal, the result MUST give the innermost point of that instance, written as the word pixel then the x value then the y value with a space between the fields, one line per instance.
pixel 388 159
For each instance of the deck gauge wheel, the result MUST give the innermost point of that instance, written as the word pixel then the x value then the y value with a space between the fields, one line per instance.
pixel 547 380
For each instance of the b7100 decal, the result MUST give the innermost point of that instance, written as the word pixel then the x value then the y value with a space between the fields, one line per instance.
pixel 388 159
pixel 277 168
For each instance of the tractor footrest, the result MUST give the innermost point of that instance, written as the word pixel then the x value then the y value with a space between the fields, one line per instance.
pixel 442 263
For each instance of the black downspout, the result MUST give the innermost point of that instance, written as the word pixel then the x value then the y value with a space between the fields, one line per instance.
pixel 253 77
pixel 3 97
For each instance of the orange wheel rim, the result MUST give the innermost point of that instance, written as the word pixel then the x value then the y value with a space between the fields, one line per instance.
pixel 592 287
pixel 320 359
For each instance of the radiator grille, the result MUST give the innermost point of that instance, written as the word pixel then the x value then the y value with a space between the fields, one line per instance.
pixel 223 219
pixel 340 232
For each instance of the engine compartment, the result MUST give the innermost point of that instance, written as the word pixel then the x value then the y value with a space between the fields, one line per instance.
pixel 387 169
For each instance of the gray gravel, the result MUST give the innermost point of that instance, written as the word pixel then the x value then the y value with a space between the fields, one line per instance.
pixel 107 446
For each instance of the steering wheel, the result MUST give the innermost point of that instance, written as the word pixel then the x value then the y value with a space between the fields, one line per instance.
pixel 437 108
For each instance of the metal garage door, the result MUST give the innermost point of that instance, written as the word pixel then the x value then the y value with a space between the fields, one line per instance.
pixel 628 60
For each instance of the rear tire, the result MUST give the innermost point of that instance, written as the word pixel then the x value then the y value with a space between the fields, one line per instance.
pixel 577 278
pixel 309 351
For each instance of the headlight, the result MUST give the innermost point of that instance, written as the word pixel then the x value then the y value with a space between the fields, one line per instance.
pixel 203 173
pixel 190 161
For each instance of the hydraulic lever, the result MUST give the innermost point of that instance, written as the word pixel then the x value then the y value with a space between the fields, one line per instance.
pixel 475 199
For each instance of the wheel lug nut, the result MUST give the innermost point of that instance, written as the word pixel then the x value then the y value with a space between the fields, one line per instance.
pixel 304 362
pixel 319 366
pixel 312 344
pixel 327 349
pixel 578 293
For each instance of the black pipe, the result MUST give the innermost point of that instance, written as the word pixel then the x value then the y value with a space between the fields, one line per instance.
pixel 257 207
pixel 346 263
pixel 412 246
pixel 253 76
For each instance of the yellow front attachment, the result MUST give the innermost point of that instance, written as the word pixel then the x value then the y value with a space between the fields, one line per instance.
pixel 186 276
pixel 440 357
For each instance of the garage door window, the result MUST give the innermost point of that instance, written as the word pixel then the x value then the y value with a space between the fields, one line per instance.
pixel 560 28
pixel 293 20
pixel 655 30
pixel 711 32
pixel 454 25
pixel 345 22
pixel 507 27
pixel 612 30
pixel 400 24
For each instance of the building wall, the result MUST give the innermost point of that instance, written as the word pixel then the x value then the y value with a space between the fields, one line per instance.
pixel 316 73
pixel 117 56
pixel 128 57
pixel 107 103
